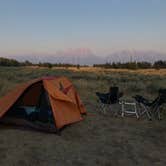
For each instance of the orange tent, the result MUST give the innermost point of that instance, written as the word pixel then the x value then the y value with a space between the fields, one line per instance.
pixel 65 103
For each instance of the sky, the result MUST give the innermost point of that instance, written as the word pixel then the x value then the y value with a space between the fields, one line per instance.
pixel 103 26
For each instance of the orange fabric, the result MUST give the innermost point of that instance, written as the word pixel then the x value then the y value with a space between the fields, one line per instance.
pixel 65 102
pixel 71 92
pixel 10 98
pixel 64 113
pixel 31 97
pixel 64 107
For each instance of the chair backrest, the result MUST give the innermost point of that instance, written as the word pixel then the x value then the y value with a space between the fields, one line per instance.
pixel 114 89
pixel 114 92
pixel 162 96
pixel 111 97
pixel 160 99
pixel 142 100
pixel 162 93
pixel 103 97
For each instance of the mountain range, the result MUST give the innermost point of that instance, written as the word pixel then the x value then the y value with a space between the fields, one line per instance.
pixel 87 57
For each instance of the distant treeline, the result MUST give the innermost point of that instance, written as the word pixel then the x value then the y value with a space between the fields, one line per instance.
pixel 133 65
pixel 66 65
pixel 128 65
pixel 8 62
pixel 13 62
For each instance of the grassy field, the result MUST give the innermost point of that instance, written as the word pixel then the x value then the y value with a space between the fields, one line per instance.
pixel 100 139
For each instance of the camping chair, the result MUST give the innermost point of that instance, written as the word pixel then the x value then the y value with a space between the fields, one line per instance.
pixel 158 102
pixel 106 99
pixel 151 107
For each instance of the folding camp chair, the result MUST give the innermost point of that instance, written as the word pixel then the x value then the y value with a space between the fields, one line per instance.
pixel 143 105
pixel 106 99
pixel 158 102
pixel 151 108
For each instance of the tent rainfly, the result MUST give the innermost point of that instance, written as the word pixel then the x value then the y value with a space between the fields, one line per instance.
pixel 47 103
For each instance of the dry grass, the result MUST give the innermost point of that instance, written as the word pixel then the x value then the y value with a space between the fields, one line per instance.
pixel 101 140
pixel 161 72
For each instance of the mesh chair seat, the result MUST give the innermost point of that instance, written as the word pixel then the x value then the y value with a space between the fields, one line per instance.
pixel 112 97
pixel 152 107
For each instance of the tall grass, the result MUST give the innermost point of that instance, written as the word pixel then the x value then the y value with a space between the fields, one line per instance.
pixel 87 82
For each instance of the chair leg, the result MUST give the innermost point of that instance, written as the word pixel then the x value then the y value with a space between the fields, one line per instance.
pixel 111 111
pixel 159 116
pixel 109 108
pixel 102 108
pixel 123 111
pixel 116 111
pixel 157 112
pixel 135 107
pixel 138 108
pixel 148 114
pixel 144 111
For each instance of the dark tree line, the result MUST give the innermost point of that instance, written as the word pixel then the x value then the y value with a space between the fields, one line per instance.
pixel 50 65
pixel 160 64
pixel 13 62
pixel 133 65
pixel 8 62
pixel 128 65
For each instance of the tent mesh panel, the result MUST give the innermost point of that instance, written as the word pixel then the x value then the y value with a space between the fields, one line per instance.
pixel 34 111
